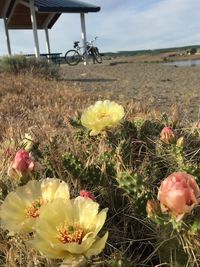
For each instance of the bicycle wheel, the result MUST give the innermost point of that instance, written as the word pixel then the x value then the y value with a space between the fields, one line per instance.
pixel 97 55
pixel 72 57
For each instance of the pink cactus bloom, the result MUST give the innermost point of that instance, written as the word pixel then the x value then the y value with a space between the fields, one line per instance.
pixel 178 194
pixel 23 163
pixel 87 194
pixel 167 135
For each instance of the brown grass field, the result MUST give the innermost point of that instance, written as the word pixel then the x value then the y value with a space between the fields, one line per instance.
pixel 44 108
pixel 149 85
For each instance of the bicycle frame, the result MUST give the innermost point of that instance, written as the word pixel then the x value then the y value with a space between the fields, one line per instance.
pixel 75 55
pixel 89 47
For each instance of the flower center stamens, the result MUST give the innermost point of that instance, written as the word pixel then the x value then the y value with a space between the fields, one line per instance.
pixel 70 233
pixel 102 115
pixel 34 210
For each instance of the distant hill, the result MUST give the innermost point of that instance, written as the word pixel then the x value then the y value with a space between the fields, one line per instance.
pixel 152 51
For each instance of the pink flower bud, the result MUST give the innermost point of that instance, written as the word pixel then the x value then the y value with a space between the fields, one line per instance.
pixel 22 164
pixel 87 194
pixel 167 135
pixel 178 194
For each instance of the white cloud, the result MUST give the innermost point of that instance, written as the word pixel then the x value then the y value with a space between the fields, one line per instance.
pixel 121 25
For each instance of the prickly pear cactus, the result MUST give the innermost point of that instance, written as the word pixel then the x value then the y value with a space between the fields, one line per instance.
pixel 136 188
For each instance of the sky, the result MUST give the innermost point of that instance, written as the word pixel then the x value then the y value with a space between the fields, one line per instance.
pixel 120 25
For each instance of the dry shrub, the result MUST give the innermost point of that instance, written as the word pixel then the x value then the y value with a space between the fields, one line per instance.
pixel 21 65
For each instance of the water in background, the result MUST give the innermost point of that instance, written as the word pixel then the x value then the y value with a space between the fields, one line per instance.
pixel 185 63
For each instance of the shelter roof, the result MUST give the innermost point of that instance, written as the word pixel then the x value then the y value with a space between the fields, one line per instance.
pixel 17 12
pixel 65 6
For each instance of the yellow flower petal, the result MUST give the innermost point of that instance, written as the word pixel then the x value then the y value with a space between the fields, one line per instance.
pixel 21 208
pixel 29 192
pixel 97 247
pixel 48 250
pixel 49 214
pixel 54 188
pixel 100 220
pixel 102 115
pixel 75 248
pixel 11 212
pixel 69 227
pixel 85 210
pixel 93 132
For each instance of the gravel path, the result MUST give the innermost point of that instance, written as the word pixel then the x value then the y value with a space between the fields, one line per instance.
pixel 153 85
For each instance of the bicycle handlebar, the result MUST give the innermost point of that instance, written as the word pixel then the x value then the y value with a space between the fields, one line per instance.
pixel 88 42
pixel 92 41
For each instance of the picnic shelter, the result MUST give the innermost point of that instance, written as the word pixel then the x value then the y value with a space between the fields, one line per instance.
pixel 41 14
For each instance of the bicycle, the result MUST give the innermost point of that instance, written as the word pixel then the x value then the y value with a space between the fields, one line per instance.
pixel 74 56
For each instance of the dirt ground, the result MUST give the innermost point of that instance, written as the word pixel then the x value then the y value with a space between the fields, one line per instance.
pixel 152 85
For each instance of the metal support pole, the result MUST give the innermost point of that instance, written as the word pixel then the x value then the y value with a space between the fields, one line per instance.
pixel 83 36
pixel 47 41
pixel 34 26
pixel 7 37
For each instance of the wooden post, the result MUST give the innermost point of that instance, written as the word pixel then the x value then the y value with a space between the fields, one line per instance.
pixel 83 36
pixel 47 41
pixel 34 26
pixel 7 37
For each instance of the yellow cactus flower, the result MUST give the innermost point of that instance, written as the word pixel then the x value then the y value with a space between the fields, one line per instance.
pixel 102 115
pixel 21 208
pixel 67 229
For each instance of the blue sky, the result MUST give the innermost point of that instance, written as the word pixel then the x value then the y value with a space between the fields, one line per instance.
pixel 120 25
